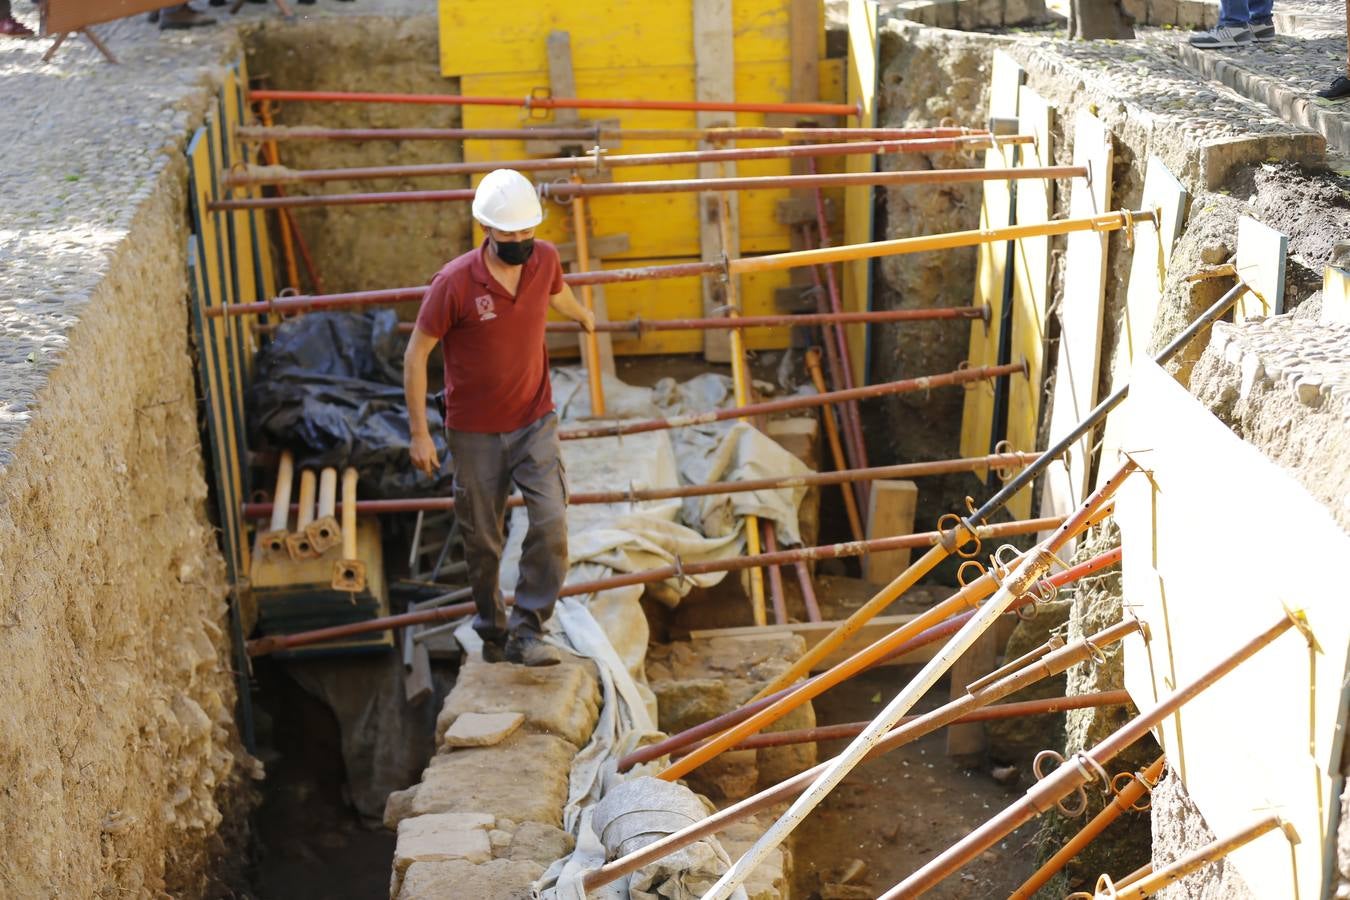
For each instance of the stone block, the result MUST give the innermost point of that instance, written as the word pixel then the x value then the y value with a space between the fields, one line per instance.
pixel 731 775
pixel 440 837
pixel 481 729
pixel 798 435
pixel 562 700
pixel 777 763
pixel 540 843
pixel 499 879
pixel 1021 12
pixel 523 779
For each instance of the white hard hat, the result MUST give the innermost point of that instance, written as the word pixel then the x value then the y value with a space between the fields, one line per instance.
pixel 506 200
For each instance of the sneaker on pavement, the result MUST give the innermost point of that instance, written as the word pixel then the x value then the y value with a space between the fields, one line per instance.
pixel 1222 37
pixel 12 27
pixel 1263 33
pixel 1337 90
pixel 528 649
pixel 494 651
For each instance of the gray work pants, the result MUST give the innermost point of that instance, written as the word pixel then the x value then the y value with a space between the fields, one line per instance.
pixel 485 467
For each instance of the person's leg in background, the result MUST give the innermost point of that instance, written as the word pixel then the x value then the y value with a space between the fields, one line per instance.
pixel 1234 28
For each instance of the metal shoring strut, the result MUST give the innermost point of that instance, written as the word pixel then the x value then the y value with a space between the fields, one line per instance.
pixel 740 379
pixel 1081 768
pixel 1035 563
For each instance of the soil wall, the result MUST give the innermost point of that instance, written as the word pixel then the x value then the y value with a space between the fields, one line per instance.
pixel 117 738
pixel 364 247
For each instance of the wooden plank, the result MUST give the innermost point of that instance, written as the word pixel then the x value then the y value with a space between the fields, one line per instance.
pixel 806 45
pixel 1031 285
pixel 1078 360
pixel 977 410
pixel 560 78
pixel 604 246
pixel 714 79
pixel 1335 296
pixel 814 632
pixel 890 512
pixel 1268 736
pixel 1148 269
pixel 861 89
pixel 71 15
pixel 1261 253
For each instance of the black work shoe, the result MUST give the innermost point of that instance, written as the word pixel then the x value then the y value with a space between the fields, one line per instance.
pixel 1338 90
pixel 494 651
pixel 528 649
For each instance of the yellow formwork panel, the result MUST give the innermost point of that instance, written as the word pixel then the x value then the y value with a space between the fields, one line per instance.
pixel 481 37
pixel 858 201
pixel 656 224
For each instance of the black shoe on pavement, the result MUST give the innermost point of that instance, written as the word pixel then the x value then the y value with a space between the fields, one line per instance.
pixel 494 651
pixel 1338 90
pixel 528 649
pixel 1263 34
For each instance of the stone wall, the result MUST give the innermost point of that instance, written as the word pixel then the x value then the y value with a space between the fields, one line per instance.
pixel 119 747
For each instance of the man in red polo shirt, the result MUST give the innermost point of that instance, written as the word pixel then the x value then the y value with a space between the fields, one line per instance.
pixel 487 308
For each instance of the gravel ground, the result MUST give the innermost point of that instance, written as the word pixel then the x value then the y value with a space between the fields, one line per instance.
pixel 82 143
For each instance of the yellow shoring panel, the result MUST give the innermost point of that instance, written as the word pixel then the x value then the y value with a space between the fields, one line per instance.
pixel 990 264
pixel 858 207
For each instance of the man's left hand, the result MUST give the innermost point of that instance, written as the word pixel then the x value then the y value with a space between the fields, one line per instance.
pixel 588 321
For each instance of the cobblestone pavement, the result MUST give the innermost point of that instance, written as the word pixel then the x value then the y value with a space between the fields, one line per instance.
pixel 1284 74
pixel 82 144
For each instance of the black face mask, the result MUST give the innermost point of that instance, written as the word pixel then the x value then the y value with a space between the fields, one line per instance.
pixel 513 253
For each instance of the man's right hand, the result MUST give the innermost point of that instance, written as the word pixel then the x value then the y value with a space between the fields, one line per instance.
pixel 423 453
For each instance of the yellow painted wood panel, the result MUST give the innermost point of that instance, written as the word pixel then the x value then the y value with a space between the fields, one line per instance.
pixel 1078 358
pixel 485 37
pixel 212 291
pixel 657 224
pixel 861 88
pixel 1266 737
pixel 990 263
pixel 1031 284
pixel 1148 270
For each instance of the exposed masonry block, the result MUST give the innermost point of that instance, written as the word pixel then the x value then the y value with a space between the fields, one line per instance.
pixel 500 879
pixel 561 700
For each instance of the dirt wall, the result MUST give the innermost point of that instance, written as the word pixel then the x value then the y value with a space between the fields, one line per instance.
pixel 117 742
pixel 363 247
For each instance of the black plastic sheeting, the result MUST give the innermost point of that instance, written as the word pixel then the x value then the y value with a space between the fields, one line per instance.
pixel 329 388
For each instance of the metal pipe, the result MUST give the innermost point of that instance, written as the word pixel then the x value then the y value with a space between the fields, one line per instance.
pixel 849 414
pixel 958 535
pixel 780 614
pixel 1121 803
pixel 1050 664
pixel 853 417
pixel 807 401
pixel 566 190
pixel 740 380
pixel 989 714
pixel 1104 223
pixel 308 491
pixel 594 376
pixel 590 162
pixel 273 643
pixel 1077 772
pixel 535 102
pixel 596 134
pixel 836 450
pixel 808 591
pixel 281 494
pixel 903 470
pixel 1197 859
pixel 893 650
pixel 1004 591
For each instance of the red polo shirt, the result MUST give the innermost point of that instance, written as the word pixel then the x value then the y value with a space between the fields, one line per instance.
pixel 496 363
